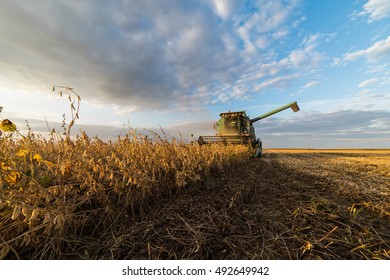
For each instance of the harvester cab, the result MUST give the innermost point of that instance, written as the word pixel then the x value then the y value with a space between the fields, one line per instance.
pixel 237 128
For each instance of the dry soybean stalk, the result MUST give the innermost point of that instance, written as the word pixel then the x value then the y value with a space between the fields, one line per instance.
pixel 73 98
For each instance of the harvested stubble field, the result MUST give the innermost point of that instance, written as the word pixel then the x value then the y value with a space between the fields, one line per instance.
pixel 141 199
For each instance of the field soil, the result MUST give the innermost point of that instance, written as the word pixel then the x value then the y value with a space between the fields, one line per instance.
pixel 290 204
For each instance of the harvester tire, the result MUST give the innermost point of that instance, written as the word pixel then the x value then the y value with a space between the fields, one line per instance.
pixel 259 149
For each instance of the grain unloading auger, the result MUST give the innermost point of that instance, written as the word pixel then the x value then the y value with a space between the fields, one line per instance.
pixel 237 128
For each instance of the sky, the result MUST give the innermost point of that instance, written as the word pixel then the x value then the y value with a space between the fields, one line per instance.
pixel 176 65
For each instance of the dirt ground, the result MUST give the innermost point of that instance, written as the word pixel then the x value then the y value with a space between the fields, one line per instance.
pixel 290 204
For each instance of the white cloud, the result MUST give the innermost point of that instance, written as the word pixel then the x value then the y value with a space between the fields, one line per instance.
pixel 377 68
pixel 336 61
pixel 226 8
pixel 306 56
pixel 378 50
pixel 311 42
pixel 377 9
pixel 262 42
pixel 268 23
pixel 365 92
pixel 223 98
pixel 368 82
pixel 150 55
pixel 305 86
pixel 311 84
pixel 277 82
pixel 279 34
pixel 297 58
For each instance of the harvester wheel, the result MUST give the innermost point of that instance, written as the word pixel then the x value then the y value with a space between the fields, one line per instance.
pixel 259 149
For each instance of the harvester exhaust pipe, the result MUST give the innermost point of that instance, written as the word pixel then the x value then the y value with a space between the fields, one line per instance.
pixel 293 105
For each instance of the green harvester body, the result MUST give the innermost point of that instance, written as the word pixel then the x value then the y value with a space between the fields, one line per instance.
pixel 237 128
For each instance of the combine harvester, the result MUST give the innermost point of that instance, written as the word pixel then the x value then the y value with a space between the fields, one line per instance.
pixel 237 128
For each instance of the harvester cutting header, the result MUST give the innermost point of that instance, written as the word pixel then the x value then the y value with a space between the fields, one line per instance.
pixel 237 128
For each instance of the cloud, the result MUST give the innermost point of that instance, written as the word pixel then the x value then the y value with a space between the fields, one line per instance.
pixel 277 82
pixel 40 127
pixel 265 24
pixel 379 50
pixel 344 128
pixel 368 82
pixel 306 57
pixel 377 68
pixel 279 34
pixel 311 84
pixel 336 62
pixel 305 86
pixel 115 53
pixel 302 61
pixel 151 55
pixel 377 9
pixel 373 9
pixel 226 8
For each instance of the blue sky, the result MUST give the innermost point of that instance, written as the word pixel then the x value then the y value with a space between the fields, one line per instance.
pixel 178 64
